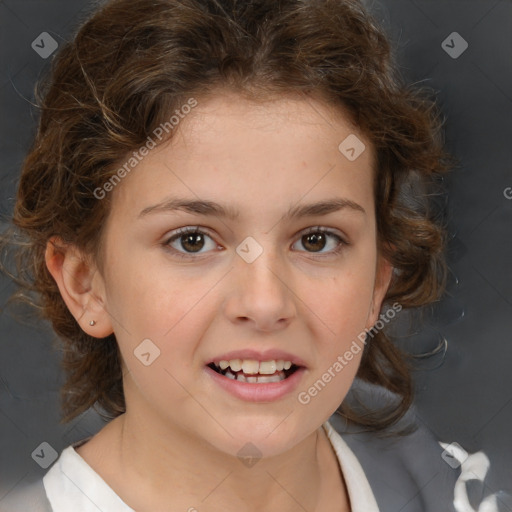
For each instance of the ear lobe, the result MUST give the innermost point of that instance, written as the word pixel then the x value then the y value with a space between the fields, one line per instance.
pixel 80 286
pixel 383 276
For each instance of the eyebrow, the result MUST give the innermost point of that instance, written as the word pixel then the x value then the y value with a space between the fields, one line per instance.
pixel 205 207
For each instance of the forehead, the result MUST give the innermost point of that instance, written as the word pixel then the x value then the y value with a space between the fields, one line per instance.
pixel 255 152
pixel 288 115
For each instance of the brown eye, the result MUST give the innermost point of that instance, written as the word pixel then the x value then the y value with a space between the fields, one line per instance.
pixel 189 241
pixel 318 239
pixel 192 242
pixel 314 241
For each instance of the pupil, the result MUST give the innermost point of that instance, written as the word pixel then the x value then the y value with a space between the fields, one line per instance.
pixel 315 238
pixel 192 238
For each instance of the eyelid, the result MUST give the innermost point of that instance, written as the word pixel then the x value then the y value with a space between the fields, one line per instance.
pixel 329 231
pixel 176 233
pixel 341 238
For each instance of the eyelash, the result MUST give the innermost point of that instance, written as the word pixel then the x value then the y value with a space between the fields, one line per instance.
pixel 196 229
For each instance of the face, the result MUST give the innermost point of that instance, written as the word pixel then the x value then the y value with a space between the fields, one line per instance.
pixel 249 238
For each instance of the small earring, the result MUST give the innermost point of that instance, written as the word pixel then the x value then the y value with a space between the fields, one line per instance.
pixel 92 323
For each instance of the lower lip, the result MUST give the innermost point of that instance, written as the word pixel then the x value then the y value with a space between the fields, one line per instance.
pixel 254 392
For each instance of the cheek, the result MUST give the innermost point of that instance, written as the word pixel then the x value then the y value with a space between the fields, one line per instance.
pixel 341 303
pixel 337 313
pixel 149 300
pixel 173 312
pixel 169 312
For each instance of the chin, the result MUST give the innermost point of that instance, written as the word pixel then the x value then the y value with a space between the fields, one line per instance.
pixel 251 437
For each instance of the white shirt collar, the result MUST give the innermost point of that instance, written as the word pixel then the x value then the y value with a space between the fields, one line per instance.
pixel 71 484
pixel 359 490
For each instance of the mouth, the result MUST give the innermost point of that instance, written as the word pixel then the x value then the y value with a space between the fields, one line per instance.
pixel 252 371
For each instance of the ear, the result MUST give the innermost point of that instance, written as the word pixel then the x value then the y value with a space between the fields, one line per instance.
pixel 383 275
pixel 81 287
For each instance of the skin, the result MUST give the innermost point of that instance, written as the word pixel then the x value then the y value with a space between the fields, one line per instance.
pixel 181 427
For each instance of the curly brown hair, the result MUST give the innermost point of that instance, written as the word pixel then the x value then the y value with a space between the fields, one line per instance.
pixel 135 61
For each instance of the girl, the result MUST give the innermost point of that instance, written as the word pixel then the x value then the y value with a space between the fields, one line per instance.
pixel 224 207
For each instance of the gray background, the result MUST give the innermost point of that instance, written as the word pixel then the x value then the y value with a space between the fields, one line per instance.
pixel 464 393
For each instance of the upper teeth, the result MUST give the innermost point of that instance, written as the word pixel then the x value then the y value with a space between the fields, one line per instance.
pixel 251 366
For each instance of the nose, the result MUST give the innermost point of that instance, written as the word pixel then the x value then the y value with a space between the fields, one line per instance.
pixel 261 293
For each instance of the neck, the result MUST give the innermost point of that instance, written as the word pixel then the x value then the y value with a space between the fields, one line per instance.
pixel 179 472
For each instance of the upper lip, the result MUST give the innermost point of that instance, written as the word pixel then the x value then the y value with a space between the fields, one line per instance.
pixel 267 355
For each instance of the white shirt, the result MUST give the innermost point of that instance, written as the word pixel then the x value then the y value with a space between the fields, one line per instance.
pixel 71 484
